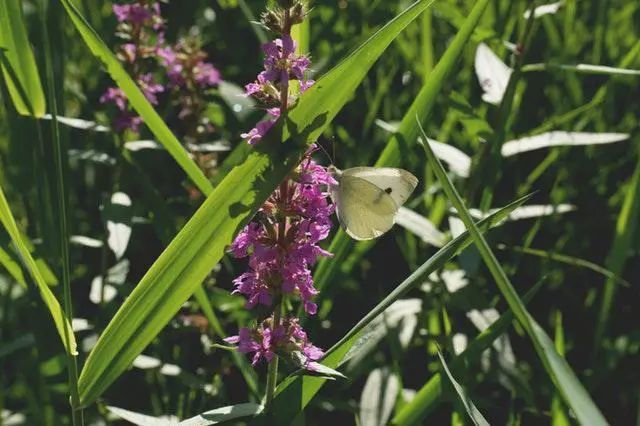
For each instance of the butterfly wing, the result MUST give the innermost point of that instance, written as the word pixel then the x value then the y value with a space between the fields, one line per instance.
pixel 364 210
pixel 397 183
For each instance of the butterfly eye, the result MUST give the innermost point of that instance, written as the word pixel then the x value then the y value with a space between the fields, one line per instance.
pixel 388 190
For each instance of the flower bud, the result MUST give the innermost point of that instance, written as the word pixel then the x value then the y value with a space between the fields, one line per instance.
pixel 272 20
pixel 298 13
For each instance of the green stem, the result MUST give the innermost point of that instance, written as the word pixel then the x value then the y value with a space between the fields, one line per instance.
pixel 76 413
pixel 272 374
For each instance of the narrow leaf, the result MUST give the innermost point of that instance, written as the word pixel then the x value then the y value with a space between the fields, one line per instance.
pixel 378 397
pixel 559 371
pixel 493 74
pixel 62 325
pixel 475 415
pixel 223 414
pixel 559 138
pixel 19 65
pixel 142 419
pixel 420 226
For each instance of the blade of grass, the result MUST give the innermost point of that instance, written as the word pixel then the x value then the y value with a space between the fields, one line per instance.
pixel 295 392
pixel 202 242
pixel 137 98
pixel 429 396
pixel 475 415
pixel 59 161
pixel 569 260
pixel 24 84
pixel 558 411
pixel 626 227
pixel 9 223
pixel 342 245
pixel 557 368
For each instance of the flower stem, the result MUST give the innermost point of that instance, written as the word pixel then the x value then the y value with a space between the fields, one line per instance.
pixel 272 374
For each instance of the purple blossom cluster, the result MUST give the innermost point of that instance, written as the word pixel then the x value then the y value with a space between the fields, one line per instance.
pixel 285 339
pixel 282 242
pixel 159 67
pixel 281 65
pixel 280 258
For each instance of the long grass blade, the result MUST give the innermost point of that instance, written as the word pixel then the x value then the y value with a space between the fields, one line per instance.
pixel 559 371
pixel 20 71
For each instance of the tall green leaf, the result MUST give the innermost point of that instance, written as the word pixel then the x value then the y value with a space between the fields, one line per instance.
pixel 342 245
pixel 559 371
pixel 20 70
pixel 201 243
pixel 9 223
pixel 137 98
pixel 475 414
pixel 626 227
pixel 295 392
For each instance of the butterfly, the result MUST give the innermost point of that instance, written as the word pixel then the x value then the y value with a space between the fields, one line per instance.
pixel 367 199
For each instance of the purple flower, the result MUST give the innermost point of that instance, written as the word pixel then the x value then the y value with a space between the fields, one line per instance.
pixel 254 135
pixel 265 341
pixel 116 96
pixel 281 60
pixel 150 88
pixel 206 74
pixel 306 84
pixel 284 266
pixel 127 121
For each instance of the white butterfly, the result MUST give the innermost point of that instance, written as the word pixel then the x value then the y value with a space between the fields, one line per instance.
pixel 367 199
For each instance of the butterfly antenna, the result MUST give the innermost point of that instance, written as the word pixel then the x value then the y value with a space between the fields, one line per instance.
pixel 325 152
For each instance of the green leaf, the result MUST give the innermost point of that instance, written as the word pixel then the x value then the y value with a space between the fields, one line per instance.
pixel 18 63
pixel 626 227
pixel 477 417
pixel 202 242
pixel 137 98
pixel 559 371
pixel 140 419
pixel 294 393
pixel 223 414
pixel 65 331
pixel 396 148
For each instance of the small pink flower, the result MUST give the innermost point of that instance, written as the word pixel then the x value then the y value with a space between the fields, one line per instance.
pixel 255 135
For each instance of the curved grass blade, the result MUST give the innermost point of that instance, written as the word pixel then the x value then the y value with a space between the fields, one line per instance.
pixel 65 331
pixel 391 156
pixel 477 417
pixel 430 394
pixel 137 98
pixel 202 242
pixel 569 260
pixel 559 371
pixel 20 70
pixel 626 227
pixel 295 392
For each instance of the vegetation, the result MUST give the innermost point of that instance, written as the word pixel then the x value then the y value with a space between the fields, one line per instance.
pixel 169 252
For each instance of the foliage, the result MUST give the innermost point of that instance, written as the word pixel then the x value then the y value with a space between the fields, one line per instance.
pixel 429 323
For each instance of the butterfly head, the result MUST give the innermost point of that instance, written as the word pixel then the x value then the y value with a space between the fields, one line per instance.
pixel 335 172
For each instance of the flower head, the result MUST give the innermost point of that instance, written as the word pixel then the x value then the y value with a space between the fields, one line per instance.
pixel 265 341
